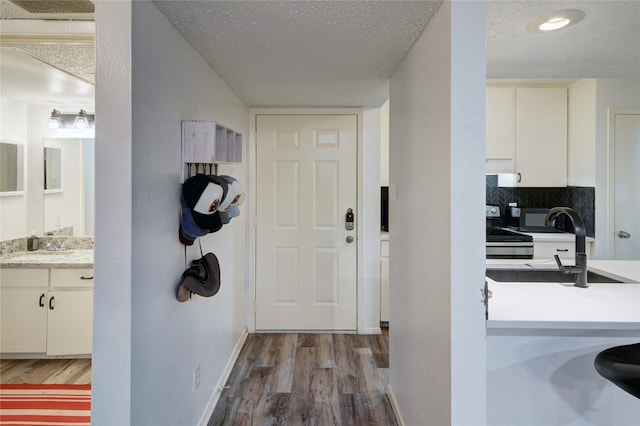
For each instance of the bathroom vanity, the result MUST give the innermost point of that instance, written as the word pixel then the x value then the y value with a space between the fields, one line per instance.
pixel 46 304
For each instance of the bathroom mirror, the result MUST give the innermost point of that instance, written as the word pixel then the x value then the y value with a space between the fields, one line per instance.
pixel 69 186
pixel 52 169
pixel 11 168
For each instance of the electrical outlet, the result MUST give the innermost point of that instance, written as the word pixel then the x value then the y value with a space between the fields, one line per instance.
pixel 197 376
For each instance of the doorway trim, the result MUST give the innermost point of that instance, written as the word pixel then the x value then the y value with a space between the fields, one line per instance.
pixel 611 137
pixel 362 237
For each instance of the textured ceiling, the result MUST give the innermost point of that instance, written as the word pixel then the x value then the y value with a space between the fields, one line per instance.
pixel 341 53
pixel 606 44
pixel 47 36
pixel 303 53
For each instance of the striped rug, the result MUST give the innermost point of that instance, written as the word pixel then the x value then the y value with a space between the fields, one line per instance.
pixel 38 405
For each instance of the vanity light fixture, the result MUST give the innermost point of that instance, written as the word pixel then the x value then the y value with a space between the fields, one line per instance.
pixel 555 21
pixel 79 121
pixel 54 120
pixel 82 120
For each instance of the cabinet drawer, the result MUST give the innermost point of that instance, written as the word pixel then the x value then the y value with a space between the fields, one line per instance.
pixel 384 248
pixel 24 277
pixel 71 278
pixel 565 250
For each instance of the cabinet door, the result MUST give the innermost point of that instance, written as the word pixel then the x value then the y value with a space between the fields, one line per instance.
pixel 70 322
pixel 23 322
pixel 500 130
pixel 541 137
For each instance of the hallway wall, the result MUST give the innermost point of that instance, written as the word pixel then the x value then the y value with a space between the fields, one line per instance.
pixel 148 345
pixel 436 254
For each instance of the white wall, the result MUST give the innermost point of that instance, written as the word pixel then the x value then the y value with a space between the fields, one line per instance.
pixel 32 211
pixel 384 144
pixel 147 344
pixel 13 209
pixel 581 156
pixel 437 129
pixel 369 289
pixel 610 93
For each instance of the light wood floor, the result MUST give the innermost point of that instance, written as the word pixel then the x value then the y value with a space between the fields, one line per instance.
pixel 278 379
pixel 308 379
pixel 38 371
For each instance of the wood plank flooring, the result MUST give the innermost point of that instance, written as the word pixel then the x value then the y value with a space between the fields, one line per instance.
pixel 308 379
pixel 38 371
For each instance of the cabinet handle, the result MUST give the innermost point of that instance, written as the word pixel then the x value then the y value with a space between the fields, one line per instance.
pixel 519 175
pixel 40 303
pixel 562 249
pixel 86 278
pixel 51 303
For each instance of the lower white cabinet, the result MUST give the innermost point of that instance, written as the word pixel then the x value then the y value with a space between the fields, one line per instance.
pixel 564 249
pixel 23 322
pixel 69 322
pixel 384 281
pixel 48 312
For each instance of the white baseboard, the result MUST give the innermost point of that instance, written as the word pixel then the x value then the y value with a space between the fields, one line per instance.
pixel 370 330
pixel 394 405
pixel 211 405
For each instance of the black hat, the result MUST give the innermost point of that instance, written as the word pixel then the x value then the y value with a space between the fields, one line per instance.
pixel 203 194
pixel 202 278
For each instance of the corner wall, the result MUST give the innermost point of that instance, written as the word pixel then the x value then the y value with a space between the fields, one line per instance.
pixel 437 178
pixel 148 345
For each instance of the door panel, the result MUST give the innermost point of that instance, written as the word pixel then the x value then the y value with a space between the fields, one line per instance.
pixel 305 268
pixel 626 173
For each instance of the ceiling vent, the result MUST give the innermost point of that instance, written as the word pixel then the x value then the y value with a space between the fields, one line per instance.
pixel 56 6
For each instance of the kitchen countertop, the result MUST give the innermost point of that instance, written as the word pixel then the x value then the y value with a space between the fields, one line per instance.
pixel 43 259
pixel 562 305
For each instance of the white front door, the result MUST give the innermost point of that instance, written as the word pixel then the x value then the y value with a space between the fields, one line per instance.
pixel 305 258
pixel 626 183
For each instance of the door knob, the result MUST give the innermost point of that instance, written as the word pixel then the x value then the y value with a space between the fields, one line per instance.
pixel 624 234
pixel 349 239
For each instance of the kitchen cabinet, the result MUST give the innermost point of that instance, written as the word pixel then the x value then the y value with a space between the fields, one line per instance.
pixel 501 129
pixel 566 250
pixel 48 312
pixel 527 134
pixel 384 282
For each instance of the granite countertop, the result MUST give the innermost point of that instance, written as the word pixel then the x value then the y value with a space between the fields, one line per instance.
pixel 43 259
pixel 547 305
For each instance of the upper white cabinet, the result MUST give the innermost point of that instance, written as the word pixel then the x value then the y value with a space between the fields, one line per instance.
pixel 501 129
pixel 527 134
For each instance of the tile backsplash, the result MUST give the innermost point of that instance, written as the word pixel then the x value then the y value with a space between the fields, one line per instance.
pixel 579 198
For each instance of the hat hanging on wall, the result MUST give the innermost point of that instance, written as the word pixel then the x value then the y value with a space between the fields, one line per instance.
pixel 207 203
pixel 202 278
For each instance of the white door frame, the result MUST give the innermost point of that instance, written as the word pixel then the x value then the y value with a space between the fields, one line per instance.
pixel 611 135
pixel 251 234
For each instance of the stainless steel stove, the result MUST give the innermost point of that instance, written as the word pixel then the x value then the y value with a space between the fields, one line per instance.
pixel 504 243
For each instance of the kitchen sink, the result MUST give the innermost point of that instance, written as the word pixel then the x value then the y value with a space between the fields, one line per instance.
pixel 537 275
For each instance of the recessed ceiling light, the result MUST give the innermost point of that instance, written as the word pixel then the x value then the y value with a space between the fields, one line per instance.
pixel 560 19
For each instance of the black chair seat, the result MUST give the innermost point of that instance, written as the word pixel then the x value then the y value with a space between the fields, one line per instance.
pixel 621 366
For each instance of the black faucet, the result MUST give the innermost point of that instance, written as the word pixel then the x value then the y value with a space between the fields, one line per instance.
pixel 580 268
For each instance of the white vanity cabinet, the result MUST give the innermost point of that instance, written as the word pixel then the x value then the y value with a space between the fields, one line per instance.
pixel 48 312
pixel 70 312
pixel 23 317
pixel 526 134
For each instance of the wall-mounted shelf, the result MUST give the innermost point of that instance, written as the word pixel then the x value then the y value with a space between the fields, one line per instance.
pixel 206 144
